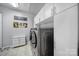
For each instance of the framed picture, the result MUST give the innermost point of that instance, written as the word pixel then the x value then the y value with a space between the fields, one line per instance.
pixel 20 18
pixel 25 25
pixel 19 25
pixel 15 25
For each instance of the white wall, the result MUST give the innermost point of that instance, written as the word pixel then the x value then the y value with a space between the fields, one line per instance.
pixel 66 30
pixel 8 30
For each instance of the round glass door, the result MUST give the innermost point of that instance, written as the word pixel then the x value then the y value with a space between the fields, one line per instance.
pixel 33 39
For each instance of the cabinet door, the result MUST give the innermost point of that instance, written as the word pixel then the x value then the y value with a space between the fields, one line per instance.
pixel 15 42
pixel 48 10
pixel 21 41
pixel 0 30
pixel 65 32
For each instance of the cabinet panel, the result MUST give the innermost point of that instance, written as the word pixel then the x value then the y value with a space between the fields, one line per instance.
pixel 18 41
pixel 15 42
pixel 0 30
pixel 65 32
pixel 0 44
pixel 21 41
pixel 44 13
pixel 48 10
pixel 36 19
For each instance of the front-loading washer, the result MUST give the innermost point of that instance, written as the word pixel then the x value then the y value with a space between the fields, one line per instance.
pixel 33 41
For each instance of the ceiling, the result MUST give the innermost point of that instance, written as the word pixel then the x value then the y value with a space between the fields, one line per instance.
pixel 32 8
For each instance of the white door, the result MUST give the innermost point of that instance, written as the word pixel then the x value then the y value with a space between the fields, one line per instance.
pixel 65 32
pixel 0 30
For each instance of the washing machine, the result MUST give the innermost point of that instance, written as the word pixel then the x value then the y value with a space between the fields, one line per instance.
pixel 33 41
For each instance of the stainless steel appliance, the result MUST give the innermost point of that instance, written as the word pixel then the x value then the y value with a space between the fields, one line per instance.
pixel 42 41
pixel 45 37
pixel 33 39
pixel 46 42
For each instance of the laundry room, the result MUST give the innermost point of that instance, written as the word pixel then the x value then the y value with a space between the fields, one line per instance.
pixel 39 29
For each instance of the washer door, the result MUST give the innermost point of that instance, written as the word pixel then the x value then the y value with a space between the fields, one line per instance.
pixel 33 39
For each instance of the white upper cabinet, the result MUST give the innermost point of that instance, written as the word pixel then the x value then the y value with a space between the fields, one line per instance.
pixel 48 10
pixel 36 20
pixel 62 6
pixel 44 13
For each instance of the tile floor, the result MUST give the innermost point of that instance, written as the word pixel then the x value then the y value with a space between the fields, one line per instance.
pixel 20 51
